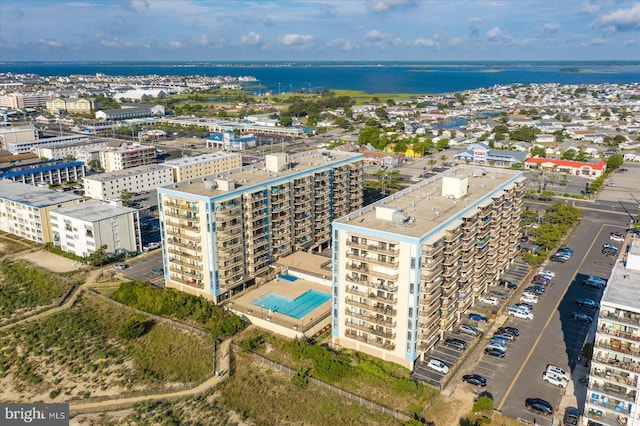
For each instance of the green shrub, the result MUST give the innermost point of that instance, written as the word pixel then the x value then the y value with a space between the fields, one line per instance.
pixel 484 403
pixel 301 378
pixel 54 393
pixel 131 329
pixel 404 385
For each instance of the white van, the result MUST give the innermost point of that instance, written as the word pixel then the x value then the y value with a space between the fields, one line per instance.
pixel 514 308
pixel 521 315
pixel 439 366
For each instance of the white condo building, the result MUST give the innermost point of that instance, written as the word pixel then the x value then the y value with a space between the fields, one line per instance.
pixel 82 229
pixel 106 186
pixel 127 156
pixel 203 165
pixel 408 267
pixel 614 389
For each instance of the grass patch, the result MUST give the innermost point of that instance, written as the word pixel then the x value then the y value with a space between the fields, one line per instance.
pixel 362 97
pixel 385 383
pixel 81 346
pixel 269 398
pixel 181 306
pixel 24 287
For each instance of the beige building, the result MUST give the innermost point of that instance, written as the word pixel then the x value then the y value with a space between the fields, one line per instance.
pixel 108 186
pixel 72 105
pixel 24 209
pixel 614 389
pixel 23 100
pixel 408 267
pixel 221 234
pixel 203 165
pixel 17 134
pixel 127 156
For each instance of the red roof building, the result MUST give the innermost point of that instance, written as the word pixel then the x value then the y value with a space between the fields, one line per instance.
pixel 577 168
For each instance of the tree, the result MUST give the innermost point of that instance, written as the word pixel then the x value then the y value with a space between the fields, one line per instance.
pixel 582 156
pixel 569 154
pixel 98 257
pixel 387 180
pixel 126 197
pixel 615 161
pixel 443 158
pixel 538 151
pixel 369 136
pixel 442 144
pixel 484 403
pixel 525 133
pixel 432 163
pixel 390 102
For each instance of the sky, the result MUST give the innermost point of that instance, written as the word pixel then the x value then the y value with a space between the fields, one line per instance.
pixel 305 30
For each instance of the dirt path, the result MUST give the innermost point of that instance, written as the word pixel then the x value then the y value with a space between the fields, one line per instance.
pixel 119 403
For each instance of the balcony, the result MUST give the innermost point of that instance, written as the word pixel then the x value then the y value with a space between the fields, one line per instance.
pixel 183 263
pixel 374 248
pixel 359 268
pixel 382 298
pixel 370 329
pixel 617 333
pixel 613 390
pixel 185 216
pixel 185 206
pixel 605 418
pixel 616 317
pixel 187 281
pixel 349 301
pixel 389 262
pixel 613 375
pixel 185 244
pixel 352 334
pixel 615 405
pixel 620 347
pixel 190 226
pixel 383 309
pixel 182 235
pixel 628 366
pixel 191 273
pixel 384 276
pixel 182 253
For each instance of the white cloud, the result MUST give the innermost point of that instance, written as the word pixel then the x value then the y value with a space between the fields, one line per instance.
pixel 388 5
pixel 136 5
pixel 631 42
pixel 340 43
pixel 590 7
pixel 50 43
pixel 175 45
pixel 597 42
pixel 495 35
pixel 296 40
pixel 425 42
pixel 620 20
pixel 110 43
pixel 456 41
pixel 251 39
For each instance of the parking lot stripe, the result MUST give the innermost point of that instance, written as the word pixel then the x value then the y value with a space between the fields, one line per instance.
pixel 546 324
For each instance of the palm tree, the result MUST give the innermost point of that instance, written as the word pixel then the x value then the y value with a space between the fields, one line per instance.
pixel 432 163
pixel 443 158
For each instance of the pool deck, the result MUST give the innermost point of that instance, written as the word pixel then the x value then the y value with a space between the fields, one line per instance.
pixel 279 323
pixel 307 263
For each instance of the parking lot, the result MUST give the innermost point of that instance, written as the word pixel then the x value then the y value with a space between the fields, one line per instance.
pixel 140 268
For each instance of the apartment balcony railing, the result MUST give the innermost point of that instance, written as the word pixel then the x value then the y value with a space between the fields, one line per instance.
pixel 613 375
pixel 620 318
pixel 352 334
pixel 190 207
pixel 372 247
pixel 182 235
pixel 370 329
pixel 185 244
pixel 383 298
pixel 183 225
pixel 356 290
pixel 613 390
pixel 392 263
pixel 184 263
pixel 619 333
pixel 628 366
pixel 188 281
pixel 620 348
pixel 349 301
pixel 427 310
pixel 183 253
pixel 605 418
pixel 383 309
pixel 617 406
pixel 191 273
pixel 385 276
pixel 188 216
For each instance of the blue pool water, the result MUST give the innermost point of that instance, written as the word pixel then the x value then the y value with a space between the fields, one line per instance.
pixel 296 308
pixel 287 277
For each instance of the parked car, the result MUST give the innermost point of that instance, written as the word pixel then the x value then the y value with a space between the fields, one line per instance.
pixel 121 266
pixel 458 344
pixel 535 289
pixel 571 416
pixel 616 236
pixel 540 277
pixel 468 329
pixel 547 272
pixel 478 317
pixel 475 379
pixel 587 303
pixel 522 315
pixel 498 340
pixel 439 366
pixel 559 258
pixel 593 284
pixel 509 329
pixel 522 305
pixel 597 279
pixel 507 284
pixel 489 300
pixel 494 352
pixel 557 371
pixel 506 336
pixel 611 184
pixel 157 271
pixel 566 249
pixel 554 379
pixel 529 298
pixel 610 252
pixel 538 405
pixel 580 316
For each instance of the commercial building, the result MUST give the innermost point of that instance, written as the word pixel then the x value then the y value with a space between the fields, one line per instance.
pixel 70 149
pixel 106 186
pixel 229 141
pixel 127 156
pixel 126 113
pixel 203 165
pixel 50 172
pixel 408 267
pixel 482 154
pixel 222 233
pixel 82 229
pixel 23 100
pixel 613 390
pixel 24 209
pixel 577 168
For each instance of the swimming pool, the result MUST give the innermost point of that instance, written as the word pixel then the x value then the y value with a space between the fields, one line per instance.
pixel 296 308
pixel 287 277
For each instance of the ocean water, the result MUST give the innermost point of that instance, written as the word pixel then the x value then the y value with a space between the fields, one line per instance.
pixel 369 77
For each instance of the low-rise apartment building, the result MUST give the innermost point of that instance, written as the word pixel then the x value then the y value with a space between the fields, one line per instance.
pixel 127 156
pixel 69 149
pixel 82 229
pixel 72 105
pixel 221 234
pixel 24 209
pixel 614 389
pixel 30 146
pixel 408 267
pixel 107 186
pixel 203 165
pixel 52 172
pixel 17 134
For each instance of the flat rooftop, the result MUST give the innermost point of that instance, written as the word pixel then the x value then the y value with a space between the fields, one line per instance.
pixel 33 195
pixel 623 288
pixel 257 173
pixel 204 158
pixel 427 208
pixel 148 168
pixel 93 211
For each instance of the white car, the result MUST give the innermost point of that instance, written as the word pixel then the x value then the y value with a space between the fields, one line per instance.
pixel 616 238
pixel 554 379
pixel 496 345
pixel 547 273
pixel 439 366
pixel 521 314
pixel 529 298
pixel 489 300
pixel 554 369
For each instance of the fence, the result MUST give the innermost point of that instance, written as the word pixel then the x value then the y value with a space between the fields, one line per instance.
pixel 344 394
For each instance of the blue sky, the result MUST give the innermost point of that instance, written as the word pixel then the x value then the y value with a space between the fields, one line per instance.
pixel 221 30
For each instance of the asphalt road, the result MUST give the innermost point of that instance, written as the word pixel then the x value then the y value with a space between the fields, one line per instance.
pixel 139 268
